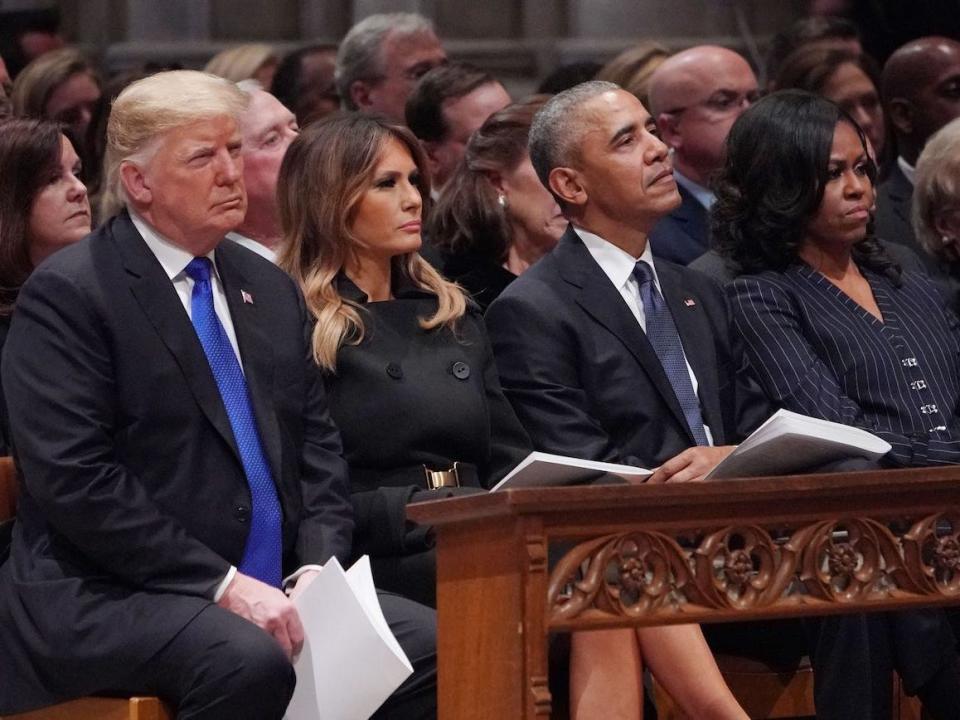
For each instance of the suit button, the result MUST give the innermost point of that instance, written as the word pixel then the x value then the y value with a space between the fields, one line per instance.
pixel 395 371
pixel 241 513
pixel 460 370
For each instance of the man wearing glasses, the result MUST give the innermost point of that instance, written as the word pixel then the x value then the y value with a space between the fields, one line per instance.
pixel 381 59
pixel 695 97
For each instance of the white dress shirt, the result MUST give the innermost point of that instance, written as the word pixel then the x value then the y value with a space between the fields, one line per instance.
pixel 174 260
pixel 908 170
pixel 251 244
pixel 705 196
pixel 617 264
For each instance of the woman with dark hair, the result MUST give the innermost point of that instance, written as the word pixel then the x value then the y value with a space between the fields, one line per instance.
pixel 835 329
pixel 43 206
pixel 412 385
pixel 495 218
pixel 850 79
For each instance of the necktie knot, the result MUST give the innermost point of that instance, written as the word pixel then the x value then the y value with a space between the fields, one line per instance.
pixel 199 269
pixel 643 273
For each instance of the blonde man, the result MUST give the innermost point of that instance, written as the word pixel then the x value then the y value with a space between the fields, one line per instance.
pixel 177 455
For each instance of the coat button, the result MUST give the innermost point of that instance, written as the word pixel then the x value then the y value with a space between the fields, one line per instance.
pixel 460 370
pixel 241 513
pixel 395 371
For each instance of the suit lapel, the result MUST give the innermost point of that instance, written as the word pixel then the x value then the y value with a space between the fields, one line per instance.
pixel 256 349
pixel 696 335
pixel 160 303
pixel 900 193
pixel 602 301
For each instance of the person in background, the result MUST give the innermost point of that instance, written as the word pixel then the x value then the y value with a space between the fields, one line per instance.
pixel 633 68
pixel 695 97
pixel 28 32
pixel 61 86
pixel 304 83
pixel 381 59
pixel 43 207
pixel 251 61
pixel 834 33
pixel 835 329
pixel 267 128
pixel 568 75
pixel 936 205
pixel 921 92
pixel 445 108
pixel 850 80
pixel 495 218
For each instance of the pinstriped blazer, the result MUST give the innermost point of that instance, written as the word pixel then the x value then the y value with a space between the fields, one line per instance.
pixel 817 352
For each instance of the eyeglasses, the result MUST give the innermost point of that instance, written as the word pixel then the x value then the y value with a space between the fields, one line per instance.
pixel 723 102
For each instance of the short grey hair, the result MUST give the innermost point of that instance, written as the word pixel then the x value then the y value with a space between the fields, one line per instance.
pixel 557 129
pixel 937 186
pixel 360 56
pixel 150 107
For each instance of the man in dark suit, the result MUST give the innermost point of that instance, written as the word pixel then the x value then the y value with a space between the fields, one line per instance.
pixel 172 432
pixel 921 91
pixel 695 96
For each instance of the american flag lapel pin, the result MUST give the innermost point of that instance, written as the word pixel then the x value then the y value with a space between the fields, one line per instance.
pixel 247 297
pixel 689 302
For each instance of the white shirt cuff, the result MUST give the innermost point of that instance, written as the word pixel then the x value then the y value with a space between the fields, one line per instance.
pixel 222 587
pixel 292 578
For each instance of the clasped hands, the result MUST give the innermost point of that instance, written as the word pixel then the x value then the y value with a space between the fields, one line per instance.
pixel 269 608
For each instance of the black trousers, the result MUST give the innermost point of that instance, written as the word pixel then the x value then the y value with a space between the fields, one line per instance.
pixel 220 666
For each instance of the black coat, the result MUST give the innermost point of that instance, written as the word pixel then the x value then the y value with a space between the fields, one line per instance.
pixel 134 501
pixel 583 377
pixel 683 235
pixel 406 397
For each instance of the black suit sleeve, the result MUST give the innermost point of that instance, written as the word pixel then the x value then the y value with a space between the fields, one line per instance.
pixel 537 356
pixel 326 525
pixel 59 384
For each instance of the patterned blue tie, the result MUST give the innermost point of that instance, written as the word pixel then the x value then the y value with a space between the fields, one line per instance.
pixel 262 555
pixel 665 339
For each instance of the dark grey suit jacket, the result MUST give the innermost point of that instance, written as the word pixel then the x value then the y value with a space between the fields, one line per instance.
pixel 585 380
pixel 134 501
pixel 683 235
pixel 893 219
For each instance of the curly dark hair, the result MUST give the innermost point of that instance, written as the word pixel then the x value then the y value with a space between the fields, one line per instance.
pixel 773 180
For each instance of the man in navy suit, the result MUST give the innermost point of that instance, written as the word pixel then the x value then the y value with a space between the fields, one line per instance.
pixel 176 452
pixel 695 97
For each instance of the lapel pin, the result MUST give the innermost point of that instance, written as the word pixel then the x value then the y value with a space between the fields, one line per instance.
pixel 247 297
pixel 689 302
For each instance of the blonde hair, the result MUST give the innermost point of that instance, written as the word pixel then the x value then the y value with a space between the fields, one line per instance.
pixel 37 81
pixel 152 106
pixel 633 68
pixel 323 176
pixel 241 62
pixel 937 188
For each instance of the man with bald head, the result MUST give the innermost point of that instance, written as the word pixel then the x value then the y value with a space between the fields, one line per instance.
pixel 921 90
pixel 695 96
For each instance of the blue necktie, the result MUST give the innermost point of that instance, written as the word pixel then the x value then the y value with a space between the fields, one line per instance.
pixel 665 339
pixel 262 555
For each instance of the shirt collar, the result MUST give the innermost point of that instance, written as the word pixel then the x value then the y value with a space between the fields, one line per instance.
pixel 703 194
pixel 616 263
pixel 403 288
pixel 173 258
pixel 254 246
pixel 908 170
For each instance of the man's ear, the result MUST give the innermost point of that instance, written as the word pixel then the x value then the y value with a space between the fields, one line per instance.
pixel 902 113
pixel 565 184
pixel 667 124
pixel 360 94
pixel 430 150
pixel 136 184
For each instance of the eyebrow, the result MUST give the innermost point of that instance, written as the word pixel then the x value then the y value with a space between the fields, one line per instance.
pixel 625 130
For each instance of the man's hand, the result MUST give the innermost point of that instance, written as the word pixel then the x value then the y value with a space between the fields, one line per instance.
pixel 691 465
pixel 302 582
pixel 267 608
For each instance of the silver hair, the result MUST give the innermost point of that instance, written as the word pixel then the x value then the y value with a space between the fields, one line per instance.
pixel 360 56
pixel 251 86
pixel 557 128
pixel 937 188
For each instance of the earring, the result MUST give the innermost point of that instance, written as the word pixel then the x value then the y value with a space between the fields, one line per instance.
pixel 502 199
pixel 947 240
